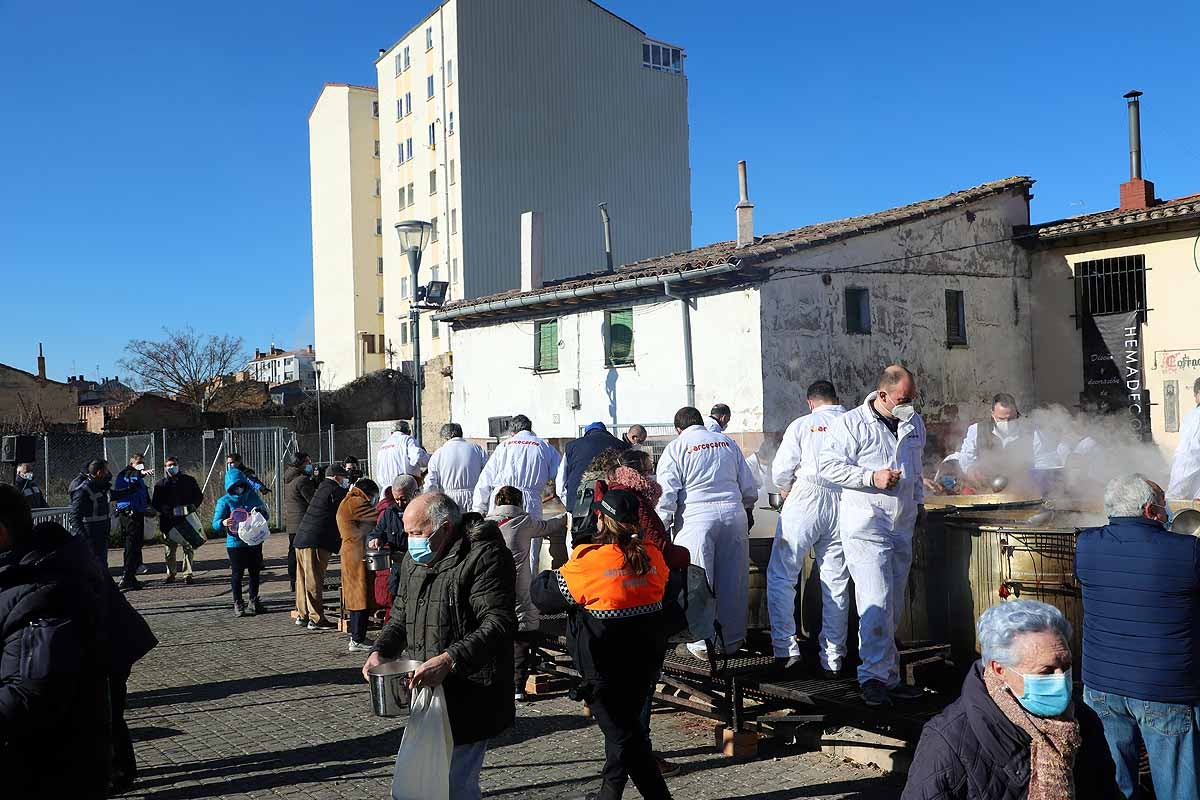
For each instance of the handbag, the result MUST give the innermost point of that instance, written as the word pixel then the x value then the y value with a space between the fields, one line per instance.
pixel 187 531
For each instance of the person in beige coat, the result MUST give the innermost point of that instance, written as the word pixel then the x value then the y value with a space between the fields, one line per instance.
pixel 356 518
pixel 518 529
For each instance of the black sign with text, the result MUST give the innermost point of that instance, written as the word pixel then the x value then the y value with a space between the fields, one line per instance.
pixel 1114 377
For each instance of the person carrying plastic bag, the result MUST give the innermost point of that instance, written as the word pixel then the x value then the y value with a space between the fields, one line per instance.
pixel 235 507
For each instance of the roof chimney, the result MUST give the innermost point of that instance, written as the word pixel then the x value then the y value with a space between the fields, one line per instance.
pixel 745 210
pixel 382 52
pixel 1137 193
pixel 41 363
pixel 606 221
pixel 531 250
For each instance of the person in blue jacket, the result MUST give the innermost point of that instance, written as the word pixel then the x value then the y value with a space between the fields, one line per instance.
pixel 132 501
pixel 242 557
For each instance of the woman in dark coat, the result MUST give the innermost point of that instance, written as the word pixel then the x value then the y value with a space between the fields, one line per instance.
pixel 1015 733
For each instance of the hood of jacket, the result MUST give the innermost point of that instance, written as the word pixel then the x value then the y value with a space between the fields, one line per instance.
pixel 83 480
pixel 245 486
pixel 629 478
pixel 507 514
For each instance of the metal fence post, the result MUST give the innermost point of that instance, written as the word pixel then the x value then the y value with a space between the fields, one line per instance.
pixel 332 454
pixel 46 465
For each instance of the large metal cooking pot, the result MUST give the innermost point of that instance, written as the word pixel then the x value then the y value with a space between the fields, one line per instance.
pixel 378 559
pixel 1186 522
pixel 390 694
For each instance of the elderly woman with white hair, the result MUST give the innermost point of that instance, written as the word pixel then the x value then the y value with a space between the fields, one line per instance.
pixel 1015 733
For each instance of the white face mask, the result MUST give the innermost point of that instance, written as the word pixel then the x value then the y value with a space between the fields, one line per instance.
pixel 904 412
pixel 1008 427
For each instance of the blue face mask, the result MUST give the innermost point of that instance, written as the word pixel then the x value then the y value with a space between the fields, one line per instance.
pixel 172 470
pixel 308 469
pixel 419 550
pixel 1046 695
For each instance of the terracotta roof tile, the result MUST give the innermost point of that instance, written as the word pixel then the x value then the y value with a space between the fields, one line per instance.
pixel 1181 207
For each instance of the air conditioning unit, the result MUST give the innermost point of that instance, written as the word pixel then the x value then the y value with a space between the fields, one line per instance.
pixel 573 400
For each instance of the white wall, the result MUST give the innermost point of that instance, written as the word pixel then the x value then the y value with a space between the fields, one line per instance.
pixel 492 375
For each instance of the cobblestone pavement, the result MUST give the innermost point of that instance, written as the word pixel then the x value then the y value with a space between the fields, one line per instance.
pixel 257 708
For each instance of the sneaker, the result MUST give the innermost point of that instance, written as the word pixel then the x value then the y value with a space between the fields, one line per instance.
pixel 666 768
pixel 189 580
pixel 239 609
pixel 257 606
pixel 131 585
pixel 143 569
pixel 876 695
pixel 684 651
pixel 788 663
pixel 322 626
pixel 169 579
pixel 360 647
pixel 519 697
pixel 300 622
pixel 904 691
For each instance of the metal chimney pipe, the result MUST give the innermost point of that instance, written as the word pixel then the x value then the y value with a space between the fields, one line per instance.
pixel 743 183
pixel 1135 134
pixel 607 222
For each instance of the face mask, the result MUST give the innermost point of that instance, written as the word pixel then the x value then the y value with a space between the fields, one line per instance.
pixel 1046 695
pixel 420 550
pixel 1007 427
pixel 308 469
pixel 949 482
pixel 172 470
pixel 904 411
pixel 140 467
pixel 236 492
pixel 344 483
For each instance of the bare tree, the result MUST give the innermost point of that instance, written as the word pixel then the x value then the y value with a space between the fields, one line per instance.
pixel 191 367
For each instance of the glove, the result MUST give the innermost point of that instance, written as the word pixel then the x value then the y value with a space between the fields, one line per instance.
pixel 749 517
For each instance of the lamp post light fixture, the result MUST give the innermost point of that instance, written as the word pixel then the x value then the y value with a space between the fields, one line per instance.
pixel 317 365
pixel 414 237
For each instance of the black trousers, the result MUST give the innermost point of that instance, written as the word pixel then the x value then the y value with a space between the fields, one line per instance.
pixel 124 764
pixel 133 528
pixel 292 561
pixel 627 753
pixel 241 560
pixel 358 625
pixel 523 659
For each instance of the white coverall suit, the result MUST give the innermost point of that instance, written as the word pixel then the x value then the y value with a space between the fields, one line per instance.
pixel 876 525
pixel 454 470
pixel 1185 469
pixel 809 520
pixel 526 462
pixel 707 486
pixel 398 455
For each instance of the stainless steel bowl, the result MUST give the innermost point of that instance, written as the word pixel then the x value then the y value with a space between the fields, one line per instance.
pixel 775 500
pixel 390 694
pixel 378 560
pixel 1186 522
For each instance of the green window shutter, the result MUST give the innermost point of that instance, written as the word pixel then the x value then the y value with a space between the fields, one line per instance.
pixel 547 346
pixel 620 337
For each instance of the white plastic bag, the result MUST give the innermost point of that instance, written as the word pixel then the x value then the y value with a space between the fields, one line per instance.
pixel 423 763
pixel 254 530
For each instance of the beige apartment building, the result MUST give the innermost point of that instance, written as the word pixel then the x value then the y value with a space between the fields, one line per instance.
pixel 492 108
pixel 348 310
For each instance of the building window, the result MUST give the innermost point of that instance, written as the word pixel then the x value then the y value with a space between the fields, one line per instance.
pixel 404 288
pixel 381 305
pixel 399 64
pixel 404 335
pixel 407 60
pixel 400 152
pixel 369 339
pixel 402 203
pixel 1110 286
pixel 956 317
pixel 618 338
pixel 378 226
pixel 377 148
pixel 450 71
pixel 409 144
pixel 412 195
pixel 454 270
pixel 429 87
pixel 379 265
pixel 434 328
pixel 380 346
pixel 407 103
pixel 433 232
pixel 662 57
pixel 453 172
pixel 429 38
pixel 378 185
pixel 451 125
pixel 433 134
pixel 375 108
pixel 453 221
pixel 858 310
pixel 545 346
pixel 433 272
pixel 433 181
pixel 399 108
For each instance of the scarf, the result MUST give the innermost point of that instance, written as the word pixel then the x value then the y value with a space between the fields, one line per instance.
pixel 1053 743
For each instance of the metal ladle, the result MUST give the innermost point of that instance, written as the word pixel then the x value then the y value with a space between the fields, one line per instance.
pixel 999 483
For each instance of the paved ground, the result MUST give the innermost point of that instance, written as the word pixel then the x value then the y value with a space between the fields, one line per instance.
pixel 256 708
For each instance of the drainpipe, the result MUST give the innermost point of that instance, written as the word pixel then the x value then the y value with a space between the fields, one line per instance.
pixel 689 372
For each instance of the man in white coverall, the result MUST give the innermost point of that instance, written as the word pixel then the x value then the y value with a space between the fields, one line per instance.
pixel 454 467
pixel 525 461
pixel 809 520
pixel 707 488
pixel 399 455
pixel 874 453
pixel 1185 469
pixel 718 418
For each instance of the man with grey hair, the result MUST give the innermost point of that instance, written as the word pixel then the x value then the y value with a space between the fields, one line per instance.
pixel 454 467
pixel 1141 635
pixel 1185 469
pixel 398 455
pixel 455 611
pixel 527 462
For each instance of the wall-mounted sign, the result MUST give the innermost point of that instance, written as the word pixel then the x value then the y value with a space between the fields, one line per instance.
pixel 1174 362
pixel 1113 370
pixel 1171 406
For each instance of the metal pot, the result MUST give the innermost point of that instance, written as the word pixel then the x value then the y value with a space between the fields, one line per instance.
pixel 775 500
pixel 390 693
pixel 1186 522
pixel 378 559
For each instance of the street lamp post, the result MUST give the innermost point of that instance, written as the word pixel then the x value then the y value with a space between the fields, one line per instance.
pixel 317 367
pixel 414 236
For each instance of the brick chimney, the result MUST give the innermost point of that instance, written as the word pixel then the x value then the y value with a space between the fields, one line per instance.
pixel 1137 193
pixel 41 363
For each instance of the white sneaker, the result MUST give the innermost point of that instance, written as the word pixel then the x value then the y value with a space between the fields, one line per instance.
pixel 300 623
pixel 359 647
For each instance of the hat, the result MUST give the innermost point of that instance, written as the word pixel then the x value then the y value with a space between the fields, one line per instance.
pixel 620 505
pixel 336 471
pixel 595 426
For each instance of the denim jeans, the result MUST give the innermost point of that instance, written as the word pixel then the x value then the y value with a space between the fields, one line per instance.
pixel 1169 732
pixel 466 762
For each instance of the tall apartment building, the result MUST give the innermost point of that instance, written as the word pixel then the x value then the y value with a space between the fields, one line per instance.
pixel 347 233
pixel 489 108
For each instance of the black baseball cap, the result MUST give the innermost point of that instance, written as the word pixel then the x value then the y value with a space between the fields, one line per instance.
pixel 620 505
pixel 336 471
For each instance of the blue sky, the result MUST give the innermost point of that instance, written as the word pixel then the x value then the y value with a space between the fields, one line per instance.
pixel 154 158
